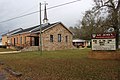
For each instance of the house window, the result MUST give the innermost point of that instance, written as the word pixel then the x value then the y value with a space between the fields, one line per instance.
pixel 66 38
pixel 25 40
pixel 51 38
pixel 59 38
pixel 14 41
pixel 17 40
pixel 20 40
pixel 11 41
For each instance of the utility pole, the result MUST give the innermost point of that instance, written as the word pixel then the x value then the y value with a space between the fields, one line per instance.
pixel 40 38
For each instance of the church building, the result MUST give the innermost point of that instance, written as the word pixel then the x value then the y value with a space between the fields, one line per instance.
pixel 53 36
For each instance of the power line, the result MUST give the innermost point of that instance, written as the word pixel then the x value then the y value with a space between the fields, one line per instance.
pixel 63 4
pixel 19 16
pixel 38 11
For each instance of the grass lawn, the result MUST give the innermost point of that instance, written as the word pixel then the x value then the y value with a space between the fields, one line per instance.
pixel 4 49
pixel 62 65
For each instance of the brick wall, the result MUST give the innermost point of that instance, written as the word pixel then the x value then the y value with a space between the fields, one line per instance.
pixel 46 44
pixel 4 40
pixel 55 45
pixel 16 39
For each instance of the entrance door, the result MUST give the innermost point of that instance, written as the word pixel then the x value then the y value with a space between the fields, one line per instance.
pixel 36 41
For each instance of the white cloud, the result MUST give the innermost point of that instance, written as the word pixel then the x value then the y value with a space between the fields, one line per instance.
pixel 68 14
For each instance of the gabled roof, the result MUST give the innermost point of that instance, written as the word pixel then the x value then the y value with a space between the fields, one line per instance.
pixel 13 31
pixel 44 28
pixel 27 29
pixel 37 28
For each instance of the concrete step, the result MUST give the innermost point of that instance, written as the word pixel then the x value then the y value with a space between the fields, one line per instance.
pixel 31 48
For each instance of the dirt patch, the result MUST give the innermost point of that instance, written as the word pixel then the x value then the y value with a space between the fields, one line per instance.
pixel 104 55
pixel 4 75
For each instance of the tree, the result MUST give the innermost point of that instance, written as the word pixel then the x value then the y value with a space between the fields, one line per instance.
pixel 76 32
pixel 112 7
pixel 92 23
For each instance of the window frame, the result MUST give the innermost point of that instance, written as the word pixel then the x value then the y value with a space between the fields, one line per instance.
pixel 51 38
pixel 66 38
pixel 21 40
pixel 59 38
pixel 25 40
pixel 16 40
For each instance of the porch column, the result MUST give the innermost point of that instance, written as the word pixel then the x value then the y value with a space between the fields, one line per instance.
pixel 30 41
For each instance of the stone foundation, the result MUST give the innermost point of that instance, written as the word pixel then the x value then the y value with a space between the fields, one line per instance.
pixel 31 48
pixel 104 55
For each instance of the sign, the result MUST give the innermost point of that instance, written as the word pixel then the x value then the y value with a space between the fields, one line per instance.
pixel 104 41
pixel 104 36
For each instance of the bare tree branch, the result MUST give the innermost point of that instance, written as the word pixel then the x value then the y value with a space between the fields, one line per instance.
pixel 118 6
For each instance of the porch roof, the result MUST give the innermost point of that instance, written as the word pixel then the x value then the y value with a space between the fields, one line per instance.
pixel 32 36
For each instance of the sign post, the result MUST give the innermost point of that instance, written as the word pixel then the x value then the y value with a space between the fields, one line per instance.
pixel 104 41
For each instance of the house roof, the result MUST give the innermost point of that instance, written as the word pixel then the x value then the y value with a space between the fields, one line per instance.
pixel 48 26
pixel 37 28
pixel 13 31
pixel 44 26
pixel 27 29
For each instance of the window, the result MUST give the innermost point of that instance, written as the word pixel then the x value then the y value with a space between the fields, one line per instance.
pixel 51 38
pixel 14 41
pixel 59 38
pixel 66 38
pixel 11 41
pixel 17 40
pixel 25 40
pixel 20 40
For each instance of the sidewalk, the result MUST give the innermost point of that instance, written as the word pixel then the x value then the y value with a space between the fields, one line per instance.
pixel 10 52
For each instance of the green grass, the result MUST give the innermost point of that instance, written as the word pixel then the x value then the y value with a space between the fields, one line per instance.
pixel 62 65
pixel 4 49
